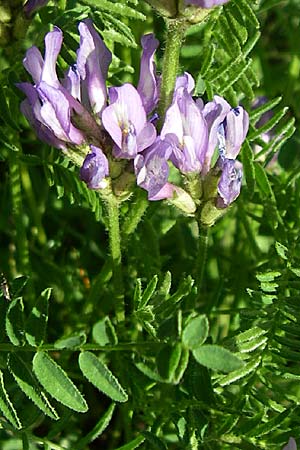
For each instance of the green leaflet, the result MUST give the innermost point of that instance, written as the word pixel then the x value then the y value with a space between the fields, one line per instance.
pixel 57 383
pixel 167 360
pixel 181 366
pixel 269 125
pixel 155 441
pixel 195 332
pixel 6 407
pixel 262 181
pixel 98 429
pixel 153 375
pixel 248 167
pixel 271 424
pixel 61 175
pixel 37 320
pixel 217 358
pixel 75 340
pixel 132 444
pixel 115 8
pixel 167 307
pixel 101 377
pixel 148 292
pixel 240 373
pixel 104 332
pixel 281 250
pixel 29 385
pixel 5 110
pixel 14 323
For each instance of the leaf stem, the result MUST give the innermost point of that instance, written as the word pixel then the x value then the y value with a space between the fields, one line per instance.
pixel 175 35
pixel 123 346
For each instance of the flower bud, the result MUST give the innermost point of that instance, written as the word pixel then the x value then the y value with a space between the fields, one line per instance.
pixel 167 8
pixel 194 186
pixel 183 201
pixel 210 214
pixel 124 185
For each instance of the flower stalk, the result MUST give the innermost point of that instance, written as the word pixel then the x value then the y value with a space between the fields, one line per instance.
pixel 175 35
pixel 201 255
pixel 113 226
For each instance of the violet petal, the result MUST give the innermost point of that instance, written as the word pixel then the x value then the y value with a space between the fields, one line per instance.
pixel 230 182
pixel 206 3
pixel 125 120
pixel 71 83
pixel 53 43
pixel 214 113
pixel 186 81
pixel 33 63
pixel 291 445
pixel 148 83
pixel 56 113
pixel 185 121
pixel 237 124
pixel 93 59
pixel 94 169
pixel 152 170
pixel 32 5
pixel 31 108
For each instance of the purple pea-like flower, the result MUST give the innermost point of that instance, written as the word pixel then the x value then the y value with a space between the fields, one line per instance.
pixel 93 60
pixel 148 85
pixel 185 81
pixel 94 169
pixel 206 3
pixel 32 5
pixel 291 445
pixel 230 182
pixel 31 108
pixel 227 128
pixel 72 82
pixel 152 170
pixel 56 104
pixel 214 113
pixel 44 69
pixel 185 128
pixel 232 132
pixel 126 122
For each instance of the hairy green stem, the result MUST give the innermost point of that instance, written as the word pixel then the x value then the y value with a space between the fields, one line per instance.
pixel 201 256
pixel 175 34
pixel 135 214
pixel 112 209
pixel 17 207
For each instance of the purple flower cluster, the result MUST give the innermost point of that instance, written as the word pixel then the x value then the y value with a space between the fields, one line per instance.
pixel 200 140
